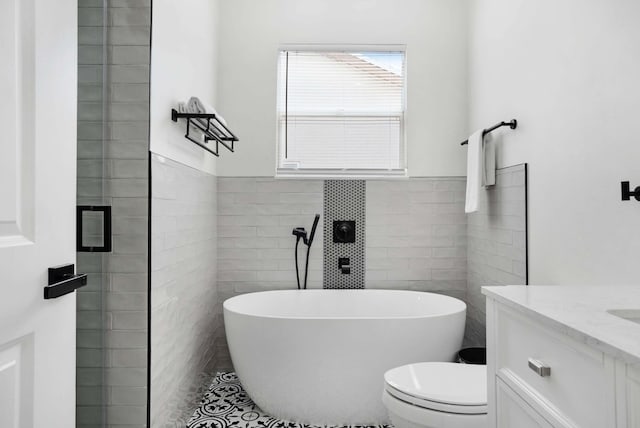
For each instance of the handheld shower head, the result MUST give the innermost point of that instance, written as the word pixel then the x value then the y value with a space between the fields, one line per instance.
pixel 313 229
pixel 301 233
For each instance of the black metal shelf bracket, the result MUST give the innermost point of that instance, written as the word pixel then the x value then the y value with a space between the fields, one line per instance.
pixel 513 124
pixel 212 129
pixel 627 194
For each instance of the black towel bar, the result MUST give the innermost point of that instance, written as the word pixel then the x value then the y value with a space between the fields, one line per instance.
pixel 513 124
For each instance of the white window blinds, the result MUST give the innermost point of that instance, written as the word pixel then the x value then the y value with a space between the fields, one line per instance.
pixel 341 112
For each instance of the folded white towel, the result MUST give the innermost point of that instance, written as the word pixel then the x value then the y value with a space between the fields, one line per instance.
pixel 196 105
pixel 474 171
pixel 183 107
pixel 489 164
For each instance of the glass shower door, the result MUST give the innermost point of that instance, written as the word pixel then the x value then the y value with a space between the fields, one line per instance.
pixel 113 212
pixel 91 319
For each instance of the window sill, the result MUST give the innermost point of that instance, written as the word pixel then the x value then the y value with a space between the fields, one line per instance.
pixel 341 174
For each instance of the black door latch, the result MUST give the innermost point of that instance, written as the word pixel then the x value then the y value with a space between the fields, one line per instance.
pixel 63 280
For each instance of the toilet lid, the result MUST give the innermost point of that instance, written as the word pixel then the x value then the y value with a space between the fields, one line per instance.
pixel 446 383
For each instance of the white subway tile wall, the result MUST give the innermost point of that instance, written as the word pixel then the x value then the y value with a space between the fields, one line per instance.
pixel 497 252
pixel 185 327
pixel 255 244
pixel 416 235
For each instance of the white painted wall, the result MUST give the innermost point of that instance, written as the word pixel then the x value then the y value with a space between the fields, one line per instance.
pixel 434 31
pixel 183 64
pixel 569 72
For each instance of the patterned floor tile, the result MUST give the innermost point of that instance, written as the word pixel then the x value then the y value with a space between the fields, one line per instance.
pixel 226 404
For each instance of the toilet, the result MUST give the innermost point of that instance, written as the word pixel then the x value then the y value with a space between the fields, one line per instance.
pixel 436 395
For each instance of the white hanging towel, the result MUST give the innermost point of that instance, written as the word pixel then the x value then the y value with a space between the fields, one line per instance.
pixel 475 167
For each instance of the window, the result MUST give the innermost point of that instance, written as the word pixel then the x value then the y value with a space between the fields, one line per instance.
pixel 341 113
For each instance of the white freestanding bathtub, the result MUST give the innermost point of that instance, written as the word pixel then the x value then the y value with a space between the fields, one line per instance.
pixel 318 356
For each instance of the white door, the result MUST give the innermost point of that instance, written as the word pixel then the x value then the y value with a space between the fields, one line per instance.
pixel 37 196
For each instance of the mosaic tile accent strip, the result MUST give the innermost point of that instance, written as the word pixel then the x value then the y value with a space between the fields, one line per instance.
pixel 344 200
pixel 226 404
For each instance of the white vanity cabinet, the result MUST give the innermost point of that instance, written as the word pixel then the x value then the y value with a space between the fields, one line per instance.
pixel 543 373
pixel 631 390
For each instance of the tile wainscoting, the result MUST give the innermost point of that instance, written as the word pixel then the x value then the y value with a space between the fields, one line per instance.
pixel 416 236
pixel 497 244
pixel 255 244
pixel 185 327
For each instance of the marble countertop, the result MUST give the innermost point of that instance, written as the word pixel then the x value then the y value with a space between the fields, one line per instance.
pixel 580 312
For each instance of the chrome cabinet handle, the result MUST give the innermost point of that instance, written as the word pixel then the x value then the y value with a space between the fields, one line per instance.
pixel 539 367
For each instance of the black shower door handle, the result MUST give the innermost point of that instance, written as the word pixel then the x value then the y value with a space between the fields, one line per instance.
pixel 106 229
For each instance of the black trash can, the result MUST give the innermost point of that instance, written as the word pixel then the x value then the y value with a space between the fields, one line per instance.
pixel 472 356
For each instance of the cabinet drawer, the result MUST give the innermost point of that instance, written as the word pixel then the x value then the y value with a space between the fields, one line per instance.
pixel 513 411
pixel 579 385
